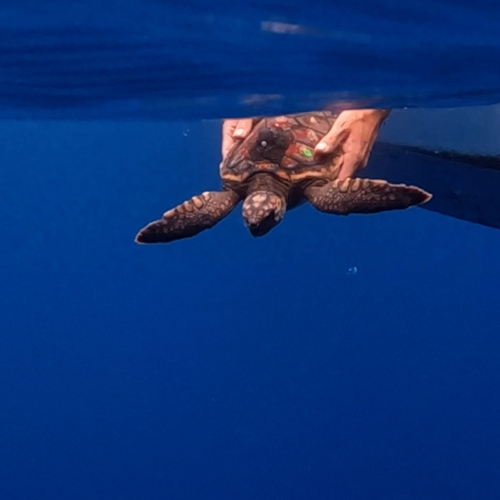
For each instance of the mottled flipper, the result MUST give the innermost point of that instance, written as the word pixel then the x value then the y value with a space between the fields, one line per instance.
pixel 364 196
pixel 190 218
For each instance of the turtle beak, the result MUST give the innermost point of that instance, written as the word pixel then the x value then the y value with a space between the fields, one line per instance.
pixel 263 226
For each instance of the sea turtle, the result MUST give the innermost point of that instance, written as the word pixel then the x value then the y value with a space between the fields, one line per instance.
pixel 274 170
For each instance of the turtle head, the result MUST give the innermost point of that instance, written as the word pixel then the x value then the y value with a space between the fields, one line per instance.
pixel 262 210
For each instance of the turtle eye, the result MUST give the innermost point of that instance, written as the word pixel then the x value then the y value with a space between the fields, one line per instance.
pixel 263 144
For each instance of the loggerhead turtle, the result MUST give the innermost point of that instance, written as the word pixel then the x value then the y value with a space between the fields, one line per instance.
pixel 274 170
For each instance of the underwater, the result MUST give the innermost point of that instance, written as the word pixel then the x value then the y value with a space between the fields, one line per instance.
pixel 189 313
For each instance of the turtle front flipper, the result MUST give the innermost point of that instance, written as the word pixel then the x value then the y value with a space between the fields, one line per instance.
pixel 190 218
pixel 364 196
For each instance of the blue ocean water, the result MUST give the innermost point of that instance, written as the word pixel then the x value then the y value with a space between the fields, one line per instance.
pixel 227 367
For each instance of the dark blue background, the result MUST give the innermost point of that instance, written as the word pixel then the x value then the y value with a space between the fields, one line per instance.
pixel 223 366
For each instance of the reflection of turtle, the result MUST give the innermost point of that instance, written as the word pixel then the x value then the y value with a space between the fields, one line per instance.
pixel 273 170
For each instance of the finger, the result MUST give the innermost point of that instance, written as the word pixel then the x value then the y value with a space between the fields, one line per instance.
pixel 356 155
pixel 242 128
pixel 350 165
pixel 332 140
pixel 228 128
pixel 368 152
pixel 234 131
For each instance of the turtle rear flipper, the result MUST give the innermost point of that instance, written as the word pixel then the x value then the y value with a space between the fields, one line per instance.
pixel 190 218
pixel 364 196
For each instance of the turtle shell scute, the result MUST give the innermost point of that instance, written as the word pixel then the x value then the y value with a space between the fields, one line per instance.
pixel 298 161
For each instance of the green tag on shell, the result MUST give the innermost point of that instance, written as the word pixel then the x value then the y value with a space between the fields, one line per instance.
pixel 307 153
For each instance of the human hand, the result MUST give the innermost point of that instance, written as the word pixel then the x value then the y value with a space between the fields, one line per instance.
pixel 353 133
pixel 234 131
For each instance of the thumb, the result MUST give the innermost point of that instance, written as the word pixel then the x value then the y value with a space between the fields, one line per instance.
pixel 332 140
pixel 228 127
pixel 242 128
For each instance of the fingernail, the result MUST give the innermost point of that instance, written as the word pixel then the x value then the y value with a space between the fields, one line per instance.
pixel 322 146
pixel 239 132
